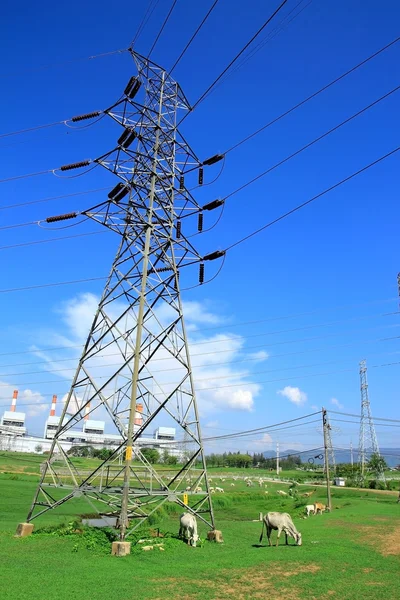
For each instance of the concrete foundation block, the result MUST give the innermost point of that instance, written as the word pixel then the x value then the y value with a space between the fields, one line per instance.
pixel 215 536
pixel 24 529
pixel 120 548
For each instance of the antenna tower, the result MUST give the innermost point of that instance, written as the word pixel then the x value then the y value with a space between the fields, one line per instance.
pixel 135 368
pixel 368 442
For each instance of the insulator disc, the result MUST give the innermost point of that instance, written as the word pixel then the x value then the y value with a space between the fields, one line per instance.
pixel 201 273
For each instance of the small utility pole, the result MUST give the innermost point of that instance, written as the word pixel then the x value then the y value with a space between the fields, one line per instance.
pixel 325 426
pixel 351 455
pixel 277 458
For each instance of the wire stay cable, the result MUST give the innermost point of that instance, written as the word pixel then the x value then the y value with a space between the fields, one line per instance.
pixel 307 202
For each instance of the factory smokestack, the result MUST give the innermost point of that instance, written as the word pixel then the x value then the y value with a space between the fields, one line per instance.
pixel 14 401
pixel 53 406
pixel 139 415
pixel 87 411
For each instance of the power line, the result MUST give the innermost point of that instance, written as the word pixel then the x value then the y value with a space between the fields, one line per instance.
pixel 58 239
pixel 270 169
pixel 314 141
pixel 238 55
pixel 227 362
pixel 314 95
pixel 149 11
pixel 300 206
pixel 102 189
pixel 345 414
pixel 193 36
pixel 162 28
pixel 201 366
pixel 63 63
pixel 46 285
pixel 267 428
pixel 269 37
pixel 232 385
pixel 358 424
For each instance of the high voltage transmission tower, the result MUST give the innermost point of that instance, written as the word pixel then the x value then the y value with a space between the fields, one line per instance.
pixel 139 321
pixel 368 442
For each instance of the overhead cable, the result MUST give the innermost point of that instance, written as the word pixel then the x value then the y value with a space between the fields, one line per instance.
pixel 238 55
pixel 303 204
pixel 270 169
pixel 214 352
pixel 149 11
pixel 63 63
pixel 102 189
pixel 57 239
pixel 314 95
pixel 162 28
pixel 231 385
pixel 193 36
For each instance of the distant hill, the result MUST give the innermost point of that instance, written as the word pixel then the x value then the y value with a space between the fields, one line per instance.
pixel 392 455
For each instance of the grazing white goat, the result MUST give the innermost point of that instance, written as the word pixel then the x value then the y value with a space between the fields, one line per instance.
pixel 280 522
pixel 309 509
pixel 281 493
pixel 232 485
pixel 219 489
pixel 188 529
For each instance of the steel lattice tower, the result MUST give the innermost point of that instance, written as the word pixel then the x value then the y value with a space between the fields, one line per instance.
pixel 139 326
pixel 368 442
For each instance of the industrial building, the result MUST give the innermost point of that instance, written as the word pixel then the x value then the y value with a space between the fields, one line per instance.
pixel 14 435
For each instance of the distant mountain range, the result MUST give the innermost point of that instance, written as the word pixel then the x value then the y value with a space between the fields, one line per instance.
pixel 391 455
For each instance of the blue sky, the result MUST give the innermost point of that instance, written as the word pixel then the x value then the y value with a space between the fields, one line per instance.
pixel 336 260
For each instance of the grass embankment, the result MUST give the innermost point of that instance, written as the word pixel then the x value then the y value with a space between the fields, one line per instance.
pixel 350 553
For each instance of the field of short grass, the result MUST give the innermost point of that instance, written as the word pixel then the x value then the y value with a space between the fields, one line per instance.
pixel 351 553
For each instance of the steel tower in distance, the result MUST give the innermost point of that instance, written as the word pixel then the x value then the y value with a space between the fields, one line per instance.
pixel 136 361
pixel 368 442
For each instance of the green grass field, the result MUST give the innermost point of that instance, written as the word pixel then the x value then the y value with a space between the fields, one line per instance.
pixel 351 553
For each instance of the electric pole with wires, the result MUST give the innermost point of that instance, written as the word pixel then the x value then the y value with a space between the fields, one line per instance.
pixel 139 322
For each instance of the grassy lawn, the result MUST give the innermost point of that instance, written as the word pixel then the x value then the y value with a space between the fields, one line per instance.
pixel 351 553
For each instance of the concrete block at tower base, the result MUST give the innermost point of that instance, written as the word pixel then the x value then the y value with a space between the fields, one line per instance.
pixel 24 529
pixel 120 548
pixel 215 536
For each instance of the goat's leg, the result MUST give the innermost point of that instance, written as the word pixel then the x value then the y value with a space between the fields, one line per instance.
pixel 277 537
pixel 269 535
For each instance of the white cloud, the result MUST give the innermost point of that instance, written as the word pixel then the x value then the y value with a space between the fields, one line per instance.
pixel 315 407
pixel 336 402
pixel 28 401
pixel 259 356
pixel 219 384
pixel 294 394
pixel 211 424
pixel 78 314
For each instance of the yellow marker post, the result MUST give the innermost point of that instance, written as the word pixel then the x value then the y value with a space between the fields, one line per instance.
pixel 185 499
pixel 128 453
